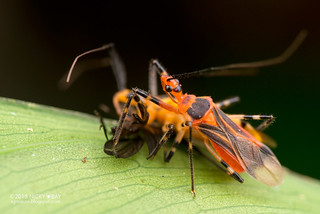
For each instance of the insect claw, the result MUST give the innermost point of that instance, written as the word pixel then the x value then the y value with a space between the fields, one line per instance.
pixel 237 177
pixel 150 156
pixel 194 194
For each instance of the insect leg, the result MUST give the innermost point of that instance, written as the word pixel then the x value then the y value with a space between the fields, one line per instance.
pixel 102 125
pixel 119 127
pixel 143 111
pixel 227 102
pixel 190 148
pixel 153 80
pixel 230 171
pixel 155 100
pixel 177 141
pixel 188 123
pixel 265 124
pixel 268 119
pixel 162 141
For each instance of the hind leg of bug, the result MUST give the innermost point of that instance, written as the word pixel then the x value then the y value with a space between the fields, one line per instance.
pixel 230 171
pixel 177 141
pixel 268 119
pixel 162 141
pixel 227 102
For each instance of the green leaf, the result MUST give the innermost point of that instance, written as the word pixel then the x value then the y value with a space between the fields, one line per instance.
pixel 41 152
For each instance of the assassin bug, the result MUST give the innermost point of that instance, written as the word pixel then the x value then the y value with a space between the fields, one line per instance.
pixel 234 147
pixel 201 127
pixel 230 144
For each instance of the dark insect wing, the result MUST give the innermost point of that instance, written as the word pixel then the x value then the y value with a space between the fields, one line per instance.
pixel 131 142
pixel 256 158
pixel 128 145
pixel 152 138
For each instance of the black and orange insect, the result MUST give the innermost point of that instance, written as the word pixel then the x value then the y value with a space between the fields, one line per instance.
pixel 228 142
pixel 234 147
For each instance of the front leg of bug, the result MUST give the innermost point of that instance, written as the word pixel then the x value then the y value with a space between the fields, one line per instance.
pixel 190 149
pixel 119 127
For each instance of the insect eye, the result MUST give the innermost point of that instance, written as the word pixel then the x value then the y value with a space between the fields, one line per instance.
pixel 168 88
pixel 177 89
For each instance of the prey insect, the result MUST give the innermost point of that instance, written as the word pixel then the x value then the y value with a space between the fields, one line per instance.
pixel 234 147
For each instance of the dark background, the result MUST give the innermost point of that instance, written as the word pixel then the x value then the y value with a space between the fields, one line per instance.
pixel 39 40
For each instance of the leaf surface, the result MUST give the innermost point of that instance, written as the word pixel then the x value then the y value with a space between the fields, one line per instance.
pixel 41 171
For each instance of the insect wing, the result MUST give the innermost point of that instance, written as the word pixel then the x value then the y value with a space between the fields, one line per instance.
pixel 126 147
pixel 221 145
pixel 258 135
pixel 256 158
pixel 152 138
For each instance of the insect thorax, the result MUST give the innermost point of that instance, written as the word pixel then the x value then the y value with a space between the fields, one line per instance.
pixel 198 108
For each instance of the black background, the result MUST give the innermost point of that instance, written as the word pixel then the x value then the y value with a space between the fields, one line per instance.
pixel 39 40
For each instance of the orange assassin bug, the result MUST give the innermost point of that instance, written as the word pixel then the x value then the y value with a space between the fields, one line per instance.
pixel 230 144
pixel 209 122
pixel 234 147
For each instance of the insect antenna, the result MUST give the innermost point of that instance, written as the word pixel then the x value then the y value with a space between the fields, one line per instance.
pixel 160 68
pixel 247 68
pixel 114 61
